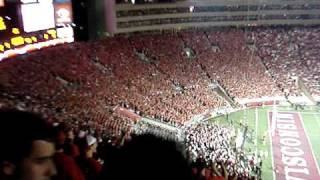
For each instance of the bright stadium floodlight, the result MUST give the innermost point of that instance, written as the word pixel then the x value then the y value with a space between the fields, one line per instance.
pixel 133 1
pixel 45 1
pixel 191 8
pixel 28 1
pixel 188 53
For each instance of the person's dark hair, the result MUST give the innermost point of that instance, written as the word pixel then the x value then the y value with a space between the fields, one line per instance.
pixel 18 130
pixel 148 157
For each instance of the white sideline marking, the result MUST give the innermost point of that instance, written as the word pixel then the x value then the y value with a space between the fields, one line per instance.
pixel 271 147
pixel 274 119
pixel 256 140
pixel 314 157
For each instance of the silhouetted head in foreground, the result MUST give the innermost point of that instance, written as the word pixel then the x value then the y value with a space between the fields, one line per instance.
pixel 148 157
pixel 26 148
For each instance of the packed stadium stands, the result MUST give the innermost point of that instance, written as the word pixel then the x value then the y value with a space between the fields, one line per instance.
pixel 152 76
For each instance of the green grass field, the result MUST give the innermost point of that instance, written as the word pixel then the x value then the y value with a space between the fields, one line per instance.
pixel 257 120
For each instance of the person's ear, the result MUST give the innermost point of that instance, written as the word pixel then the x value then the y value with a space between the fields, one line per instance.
pixel 8 168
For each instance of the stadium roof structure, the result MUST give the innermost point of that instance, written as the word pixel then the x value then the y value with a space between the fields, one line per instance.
pixel 215 13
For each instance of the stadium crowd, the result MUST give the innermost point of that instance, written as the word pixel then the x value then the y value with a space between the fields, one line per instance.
pixel 81 153
pixel 215 152
pixel 152 76
pixel 290 54
pixel 242 79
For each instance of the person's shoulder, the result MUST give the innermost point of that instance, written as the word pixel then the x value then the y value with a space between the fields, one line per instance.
pixel 64 159
pixel 95 163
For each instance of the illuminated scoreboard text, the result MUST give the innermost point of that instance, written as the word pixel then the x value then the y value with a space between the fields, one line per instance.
pixel 34 24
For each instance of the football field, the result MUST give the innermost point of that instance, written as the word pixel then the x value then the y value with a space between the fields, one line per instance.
pixel 287 139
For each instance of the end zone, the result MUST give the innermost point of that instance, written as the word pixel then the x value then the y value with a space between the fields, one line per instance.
pixel 292 153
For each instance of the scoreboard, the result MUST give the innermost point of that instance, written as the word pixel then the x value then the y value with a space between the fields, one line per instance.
pixel 26 25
